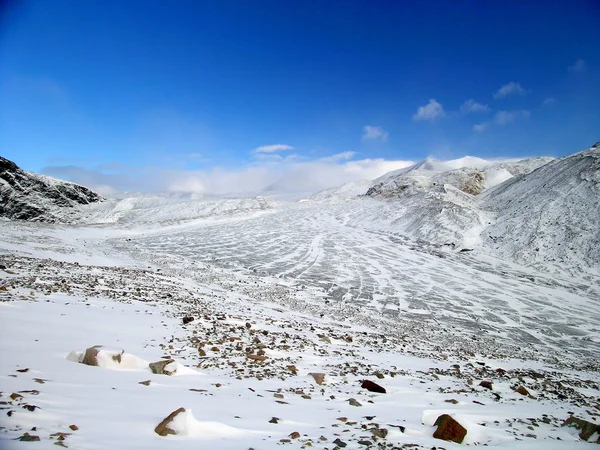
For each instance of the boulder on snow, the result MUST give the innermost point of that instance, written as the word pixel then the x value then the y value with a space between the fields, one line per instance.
pixel 90 357
pixel 160 367
pixel 586 429
pixel 318 377
pixel 163 428
pixel 448 429
pixel 372 387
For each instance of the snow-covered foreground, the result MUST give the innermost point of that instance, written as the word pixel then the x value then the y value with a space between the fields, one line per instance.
pixel 275 297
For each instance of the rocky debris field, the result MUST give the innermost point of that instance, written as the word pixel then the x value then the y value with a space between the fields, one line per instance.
pixel 257 372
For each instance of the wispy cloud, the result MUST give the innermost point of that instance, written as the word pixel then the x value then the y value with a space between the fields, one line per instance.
pixel 282 175
pixel 371 132
pixel 431 111
pixel 480 127
pixel 506 117
pixel 579 66
pixel 471 106
pixel 273 148
pixel 549 101
pixel 502 118
pixel 509 89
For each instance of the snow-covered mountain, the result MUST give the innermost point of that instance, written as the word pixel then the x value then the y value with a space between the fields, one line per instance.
pixel 549 215
pixel 469 174
pixel 28 196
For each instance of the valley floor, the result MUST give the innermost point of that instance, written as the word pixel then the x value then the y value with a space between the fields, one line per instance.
pixel 311 293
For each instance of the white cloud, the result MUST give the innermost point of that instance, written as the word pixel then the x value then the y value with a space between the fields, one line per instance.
pixel 430 111
pixel 549 101
pixel 284 175
pixel 579 66
pixel 502 118
pixel 509 89
pixel 273 148
pixel 471 106
pixel 374 133
pixel 506 117
pixel 480 127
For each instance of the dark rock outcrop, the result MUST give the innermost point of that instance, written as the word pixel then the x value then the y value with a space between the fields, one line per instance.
pixel 27 196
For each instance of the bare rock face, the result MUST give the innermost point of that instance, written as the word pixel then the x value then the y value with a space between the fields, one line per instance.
pixel 27 196
pixel 586 429
pixel 449 429
pixel 163 428
pixel 160 367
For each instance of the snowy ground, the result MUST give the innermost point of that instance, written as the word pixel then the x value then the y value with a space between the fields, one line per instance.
pixel 311 291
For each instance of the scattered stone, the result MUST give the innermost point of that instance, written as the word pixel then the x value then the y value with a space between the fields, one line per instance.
pixel 277 395
pixel 372 387
pixel 521 390
pixel 342 419
pixel 255 357
pixel 340 443
pixel 318 377
pixel 162 429
pixel 159 367
pixel 187 319
pixel 449 429
pixel 274 420
pixel 354 402
pixel 365 442
pixel 586 429
pixel 451 400
pixel 39 380
pixel 90 357
pixel 28 438
pixel 23 370
pixel 380 375
pixel 379 432
pixel 294 435
pixel 30 408
pixel 15 396
pixel 74 427
pixel 487 385
pixel 145 383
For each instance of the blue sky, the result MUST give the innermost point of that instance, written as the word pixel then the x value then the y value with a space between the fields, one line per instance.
pixel 193 94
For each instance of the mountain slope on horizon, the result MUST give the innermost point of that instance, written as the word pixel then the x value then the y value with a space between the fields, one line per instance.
pixel 550 215
pixel 28 196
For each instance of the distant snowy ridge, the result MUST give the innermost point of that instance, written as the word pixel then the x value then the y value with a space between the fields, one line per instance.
pixel 469 174
pixel 549 215
pixel 28 196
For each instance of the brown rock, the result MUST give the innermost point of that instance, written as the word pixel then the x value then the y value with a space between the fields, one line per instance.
pixel 449 429
pixel 145 383
pixel 586 429
pixel 372 387
pixel 162 429
pixel 23 370
pixel 29 438
pixel 354 402
pixel 15 396
pixel 255 357
pixel 159 367
pixel 318 377
pixel 521 390
pixel 90 357
pixel 274 420
pixel 379 432
pixel 74 427
pixel 295 435
pixel 187 319
pixel 293 369
pixel 487 385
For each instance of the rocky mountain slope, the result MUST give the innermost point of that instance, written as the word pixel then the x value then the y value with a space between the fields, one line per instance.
pixel 549 215
pixel 28 196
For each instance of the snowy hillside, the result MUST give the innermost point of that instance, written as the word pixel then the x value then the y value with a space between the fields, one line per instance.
pixel 29 196
pixel 343 321
pixel 551 215
pixel 469 174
